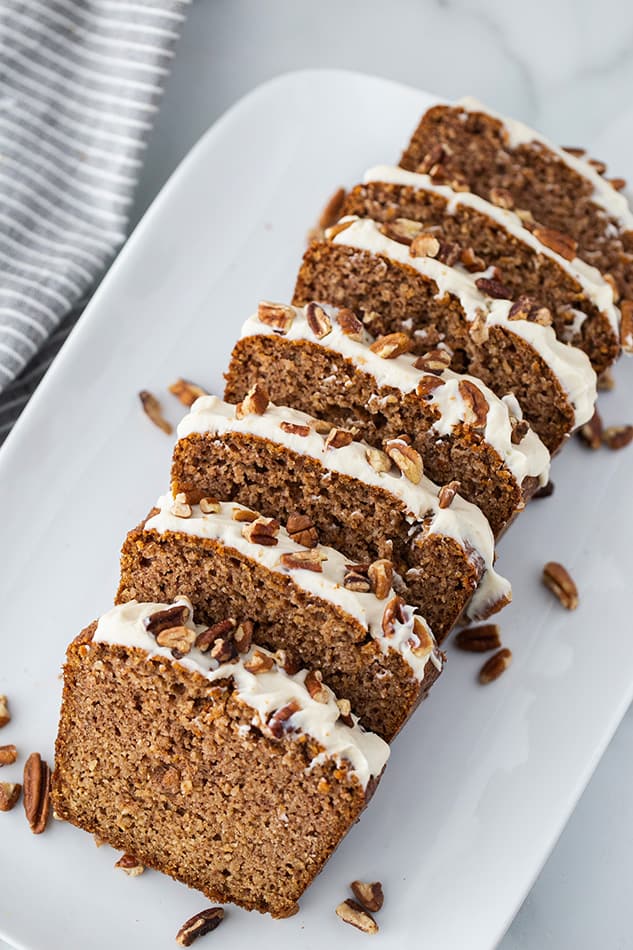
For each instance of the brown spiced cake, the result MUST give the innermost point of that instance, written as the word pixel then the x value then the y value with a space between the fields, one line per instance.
pixel 329 368
pixel 398 287
pixel 232 776
pixel 480 234
pixel 468 146
pixel 371 647
pixel 325 486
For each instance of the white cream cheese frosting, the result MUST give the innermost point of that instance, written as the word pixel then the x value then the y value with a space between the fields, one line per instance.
pixel 264 692
pixel 594 286
pixel 604 194
pixel 529 458
pixel 462 520
pixel 570 365
pixel 327 584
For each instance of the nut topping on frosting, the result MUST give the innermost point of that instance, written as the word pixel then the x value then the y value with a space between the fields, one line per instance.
pixel 302 530
pixel 447 494
pixel 558 242
pixel 356 579
pixel 243 514
pixel 187 391
pixel 318 320
pixel 314 685
pixel 259 662
pixel 209 506
pixel 435 361
pixel 391 346
pixel 520 429
pixel 394 611
pixel 223 650
pixel 493 288
pixel 294 429
pixel 428 385
pixel 262 531
pixel 243 636
pixel 350 324
pixel 303 561
pixel 424 244
pixel 152 409
pixel 338 438
pixel 277 721
pixel 276 315
pixel 425 643
pixel 379 460
pixel 164 619
pixel 180 508
pixel 527 308
pixel 557 579
pixel 471 261
pixel 345 711
pixel 402 230
pixel 380 574
pixel 408 460
pixel 222 628
pixel 178 639
pixel 254 402
pixel 475 404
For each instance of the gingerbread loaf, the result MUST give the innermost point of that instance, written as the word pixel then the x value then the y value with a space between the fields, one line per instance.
pixel 396 286
pixel 329 368
pixel 371 647
pixel 325 486
pixel 233 776
pixel 529 261
pixel 469 146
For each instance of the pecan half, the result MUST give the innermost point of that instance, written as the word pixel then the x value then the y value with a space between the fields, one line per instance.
pixel 427 386
pixel 186 391
pixel 626 325
pixel 380 574
pixel 495 666
pixel 471 261
pixel 178 639
pixel 352 913
pixel 293 429
pixel 338 438
pixel 262 531
pixel 435 361
pixel 379 460
pixel 447 494
pixel 5 715
pixel 255 402
pixel 318 320
pixel 369 895
pixel 259 662
pixel 276 315
pixel 558 242
pixel 199 925
pixel 425 642
pixel 408 460
pixel 164 619
pixel 154 412
pixel 357 582
pixel 303 561
pixel 520 429
pixel 277 721
pixel 223 628
pixel 394 612
pixel 210 506
pixel 243 636
pixel 131 865
pixel 9 795
pixel 350 324
pixel 314 685
pixel 617 437
pixel 391 346
pixel 37 792
pixel 180 508
pixel 475 404
pixel 558 580
pixel 8 754
pixel 528 308
pixel 479 639
pixel 493 288
pixel 449 253
pixel 224 650
pixel 332 210
pixel 402 230
pixel 502 198
pixel 424 244
pixel 302 530
pixel 591 432
pixel 243 515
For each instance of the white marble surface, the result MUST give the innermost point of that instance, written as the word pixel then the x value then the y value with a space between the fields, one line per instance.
pixel 566 67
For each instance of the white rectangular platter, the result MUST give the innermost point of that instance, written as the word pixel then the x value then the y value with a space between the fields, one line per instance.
pixel 481 780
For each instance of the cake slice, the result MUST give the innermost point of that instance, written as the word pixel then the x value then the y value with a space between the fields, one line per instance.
pixel 328 367
pixel 397 286
pixel 371 647
pixel 325 486
pixel 233 777
pixel 480 234
pixel 469 146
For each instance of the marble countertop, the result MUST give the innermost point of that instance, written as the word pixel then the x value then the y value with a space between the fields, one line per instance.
pixel 565 67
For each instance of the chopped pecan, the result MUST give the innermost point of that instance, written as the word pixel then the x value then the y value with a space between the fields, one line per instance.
pixel 379 460
pixel 432 158
pixel 332 210
pixel 277 721
pixel 520 429
pixel 475 404
pixel 350 324
pixel 617 437
pixel 495 666
pixel 223 628
pixel 210 506
pixel 243 636
pixel 338 438
pixel 5 715
pixel 180 507
pixel 527 308
pixel 277 315
pixel 224 649
pixel 447 494
pixel 471 261
pixel 359 583
pixel 558 580
pixel 427 385
pixel 8 754
pixel 626 325
pixel 164 619
pixel 613 284
pixel 9 795
pixel 370 895
pixel 391 346
pixel 493 288
pixel 502 198
pixel 352 913
pixel 259 662
pixel 394 612
pixel 591 432
pixel 262 531
pixel 345 711
pixel 449 253
pixel 302 530
pixel 154 412
pixel 408 460
pixel 243 515
pixel 558 242
pixel 380 573
pixel 423 642
pixel 177 639
pixel 478 329
pixel 599 166
pixel 293 429
pixel 255 402
pixel 199 925
pixel 288 662
pixel 402 230
pixel 131 865
pixel 318 320
pixel 574 150
pixel 435 361
pixel 424 244
pixel 617 183
pixel 187 391
pixel 314 685
pixel 303 561
pixel 37 792
pixel 479 639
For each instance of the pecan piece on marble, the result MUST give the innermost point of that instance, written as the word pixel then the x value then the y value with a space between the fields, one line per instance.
pixel 351 912
pixel 369 894
pixel 154 412
pixel 199 925
pixel 558 580
pixel 480 639
pixel 186 391
pixel 37 792
pixel 495 666
pixel 131 865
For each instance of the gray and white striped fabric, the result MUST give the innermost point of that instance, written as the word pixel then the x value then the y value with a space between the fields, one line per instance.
pixel 80 82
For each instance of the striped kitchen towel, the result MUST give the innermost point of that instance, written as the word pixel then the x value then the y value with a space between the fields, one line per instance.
pixel 80 82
